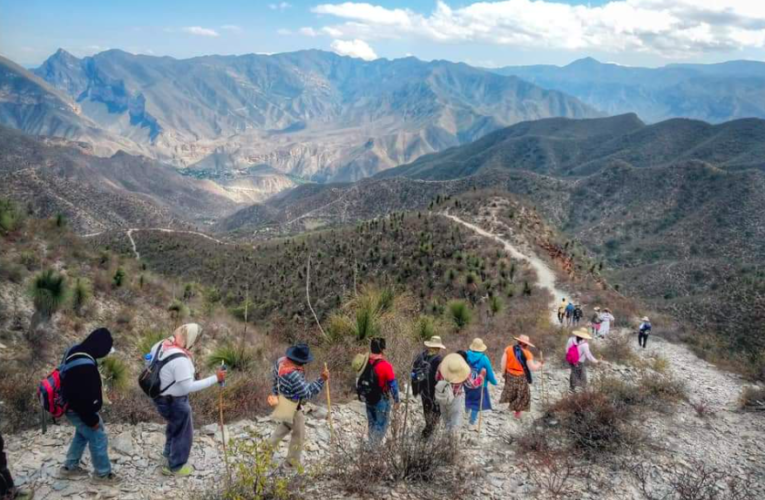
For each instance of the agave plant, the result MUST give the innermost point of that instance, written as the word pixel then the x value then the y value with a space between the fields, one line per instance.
pixel 459 313
pixel 48 291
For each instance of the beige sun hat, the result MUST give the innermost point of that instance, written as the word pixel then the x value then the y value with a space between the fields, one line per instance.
pixel 524 339
pixel 454 369
pixel 477 345
pixel 435 342
pixel 645 318
pixel 596 308
pixel 582 333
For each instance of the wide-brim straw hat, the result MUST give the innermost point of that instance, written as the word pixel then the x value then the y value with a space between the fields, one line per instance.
pixel 582 333
pixel 454 369
pixel 605 309
pixel 477 345
pixel 645 318
pixel 524 339
pixel 435 342
pixel 596 308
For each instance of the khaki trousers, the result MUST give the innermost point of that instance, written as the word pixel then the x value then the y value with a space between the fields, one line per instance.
pixel 297 429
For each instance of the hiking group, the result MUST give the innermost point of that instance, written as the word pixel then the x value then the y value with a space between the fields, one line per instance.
pixel 449 386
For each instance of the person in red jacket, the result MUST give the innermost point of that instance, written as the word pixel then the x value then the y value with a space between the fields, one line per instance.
pixel 378 399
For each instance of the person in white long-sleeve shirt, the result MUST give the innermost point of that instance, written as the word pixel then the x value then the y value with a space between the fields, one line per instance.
pixel 177 382
pixel 581 355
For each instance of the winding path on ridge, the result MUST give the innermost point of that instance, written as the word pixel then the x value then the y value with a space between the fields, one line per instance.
pixel 545 276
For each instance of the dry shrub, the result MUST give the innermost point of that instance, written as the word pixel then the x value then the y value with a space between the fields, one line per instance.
pixel 244 396
pixel 615 349
pixel 656 392
pixel 130 406
pixel 595 424
pixel 360 468
pixel 18 387
pixel 697 481
pixel 551 472
pixel 753 399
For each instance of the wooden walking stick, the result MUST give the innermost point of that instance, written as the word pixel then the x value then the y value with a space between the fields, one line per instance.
pixel 480 407
pixel 542 377
pixel 329 411
pixel 223 427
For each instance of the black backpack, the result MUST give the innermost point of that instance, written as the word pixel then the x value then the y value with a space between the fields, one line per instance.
pixel 150 381
pixel 367 386
pixel 421 369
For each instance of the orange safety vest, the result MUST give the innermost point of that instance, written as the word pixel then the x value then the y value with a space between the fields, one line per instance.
pixel 513 365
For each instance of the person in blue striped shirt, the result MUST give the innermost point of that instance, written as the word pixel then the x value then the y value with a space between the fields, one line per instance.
pixel 288 378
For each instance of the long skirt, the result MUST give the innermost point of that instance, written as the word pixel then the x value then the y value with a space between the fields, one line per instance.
pixel 516 393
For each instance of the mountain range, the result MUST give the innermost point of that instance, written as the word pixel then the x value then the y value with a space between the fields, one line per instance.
pixel 710 92
pixel 311 114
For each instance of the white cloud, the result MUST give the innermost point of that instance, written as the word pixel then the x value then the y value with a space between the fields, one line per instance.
pixel 354 48
pixel 232 28
pixel 200 31
pixel 669 28
pixel 283 32
pixel 279 6
pixel 308 32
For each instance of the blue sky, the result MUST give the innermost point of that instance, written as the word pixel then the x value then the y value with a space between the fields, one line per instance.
pixel 487 33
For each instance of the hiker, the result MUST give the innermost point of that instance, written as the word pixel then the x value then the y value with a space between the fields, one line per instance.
pixel 177 382
pixel 478 362
pixel 595 321
pixel 577 353
pixel 578 314
pixel 643 331
pixel 376 386
pixel 424 370
pixel 562 310
pixel 569 313
pixel 517 365
pixel 606 318
pixel 453 378
pixel 81 389
pixel 8 491
pixel 289 381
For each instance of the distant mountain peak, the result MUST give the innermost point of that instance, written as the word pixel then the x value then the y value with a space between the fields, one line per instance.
pixel 62 56
pixel 584 62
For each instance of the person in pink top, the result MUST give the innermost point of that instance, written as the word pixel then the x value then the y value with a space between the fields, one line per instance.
pixel 577 354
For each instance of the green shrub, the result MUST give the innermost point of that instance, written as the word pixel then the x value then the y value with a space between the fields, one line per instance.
pixel 385 299
pixel 339 327
pixel 256 474
pixel 367 321
pixel 177 310
pixel 495 305
pixel 459 313
pixel 48 291
pixel 235 358
pixel 119 278
pixel 81 294
pixel 424 328
pixel 148 339
pixel 10 217
pixel 115 373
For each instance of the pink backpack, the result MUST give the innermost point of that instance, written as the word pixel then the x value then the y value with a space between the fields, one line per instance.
pixel 572 356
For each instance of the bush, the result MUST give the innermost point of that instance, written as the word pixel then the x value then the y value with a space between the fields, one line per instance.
pixel 48 291
pixel 178 311
pixel 119 278
pixel 424 328
pixel 148 339
pixel 235 358
pixel 495 305
pixel 18 385
pixel 115 373
pixel 339 327
pixel 459 313
pixel 81 294
pixel 615 349
pixel 753 399
pixel 10 217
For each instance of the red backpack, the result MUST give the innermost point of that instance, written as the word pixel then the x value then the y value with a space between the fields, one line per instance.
pixel 49 390
pixel 572 355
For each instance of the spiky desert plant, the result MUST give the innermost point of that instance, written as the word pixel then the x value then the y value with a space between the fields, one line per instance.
pixel 234 358
pixel 115 373
pixel 424 327
pixel 119 278
pixel 48 291
pixel 459 313
pixel 81 294
pixel 149 339
pixel 495 305
pixel 178 311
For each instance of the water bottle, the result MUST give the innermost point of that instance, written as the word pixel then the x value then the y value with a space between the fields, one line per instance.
pixel 147 359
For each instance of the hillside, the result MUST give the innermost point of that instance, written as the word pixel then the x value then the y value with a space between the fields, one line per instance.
pixel 714 93
pixel 311 114
pixel 95 193
pixel 563 147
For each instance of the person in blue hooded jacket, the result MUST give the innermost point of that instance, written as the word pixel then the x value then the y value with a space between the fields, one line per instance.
pixel 478 361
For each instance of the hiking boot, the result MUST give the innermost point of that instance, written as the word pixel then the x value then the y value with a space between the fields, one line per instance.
pixel 110 479
pixel 473 427
pixel 75 473
pixel 184 471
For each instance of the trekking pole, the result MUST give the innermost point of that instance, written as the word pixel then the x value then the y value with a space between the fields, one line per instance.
pixel 329 412
pixel 542 377
pixel 221 385
pixel 406 406
pixel 480 408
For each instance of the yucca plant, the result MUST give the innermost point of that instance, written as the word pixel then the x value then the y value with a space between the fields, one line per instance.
pixel 495 305
pixel 81 294
pixel 339 327
pixel 149 339
pixel 48 291
pixel 367 320
pixel 119 278
pixel 114 372
pixel 424 327
pixel 9 216
pixel 459 313
pixel 235 358
pixel 178 311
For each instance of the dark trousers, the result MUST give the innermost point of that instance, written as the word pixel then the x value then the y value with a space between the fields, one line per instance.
pixel 179 433
pixel 6 481
pixel 642 339
pixel 432 413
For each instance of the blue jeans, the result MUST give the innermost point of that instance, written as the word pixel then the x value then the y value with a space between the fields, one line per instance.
pixel 378 418
pixel 473 416
pixel 95 439
pixel 179 434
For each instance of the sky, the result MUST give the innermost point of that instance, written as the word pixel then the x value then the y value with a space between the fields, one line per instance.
pixel 489 33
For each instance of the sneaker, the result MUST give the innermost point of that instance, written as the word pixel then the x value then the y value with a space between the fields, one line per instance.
pixel 74 473
pixel 473 427
pixel 184 471
pixel 110 479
